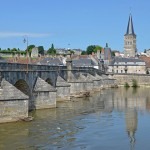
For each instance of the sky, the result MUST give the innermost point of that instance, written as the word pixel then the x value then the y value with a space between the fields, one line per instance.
pixel 73 23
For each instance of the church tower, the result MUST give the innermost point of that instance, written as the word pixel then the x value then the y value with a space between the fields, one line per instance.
pixel 130 40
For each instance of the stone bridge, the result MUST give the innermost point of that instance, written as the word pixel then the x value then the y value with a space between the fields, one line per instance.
pixel 25 87
pixel 24 76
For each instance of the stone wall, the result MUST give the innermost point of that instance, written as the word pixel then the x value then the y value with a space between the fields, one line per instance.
pixel 122 78
pixel 63 93
pixel 45 99
pixel 13 110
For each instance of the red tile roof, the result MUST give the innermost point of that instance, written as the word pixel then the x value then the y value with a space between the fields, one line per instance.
pixel 146 59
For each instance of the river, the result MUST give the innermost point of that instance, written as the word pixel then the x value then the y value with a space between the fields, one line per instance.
pixel 113 119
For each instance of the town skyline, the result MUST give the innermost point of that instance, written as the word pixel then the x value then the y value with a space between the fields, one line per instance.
pixel 72 24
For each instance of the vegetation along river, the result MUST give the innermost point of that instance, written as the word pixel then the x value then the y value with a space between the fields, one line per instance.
pixel 113 119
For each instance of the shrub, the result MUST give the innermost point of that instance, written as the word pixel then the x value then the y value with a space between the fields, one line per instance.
pixel 134 83
pixel 126 85
pixel 147 72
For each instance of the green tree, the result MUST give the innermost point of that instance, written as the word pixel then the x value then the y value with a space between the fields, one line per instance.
pixel 71 51
pixel 90 49
pixel 51 50
pixel 14 50
pixel 93 48
pixel 83 53
pixel 97 48
pixel 41 50
pixel 29 48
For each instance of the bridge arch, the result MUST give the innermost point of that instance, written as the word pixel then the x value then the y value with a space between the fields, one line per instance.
pixel 23 86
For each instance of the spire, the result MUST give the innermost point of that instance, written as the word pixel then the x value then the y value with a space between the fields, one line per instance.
pixel 130 29
pixel 106 44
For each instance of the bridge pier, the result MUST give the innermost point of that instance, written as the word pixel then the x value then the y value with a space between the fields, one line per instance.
pixel 44 95
pixel 63 89
pixel 13 103
pixel 95 79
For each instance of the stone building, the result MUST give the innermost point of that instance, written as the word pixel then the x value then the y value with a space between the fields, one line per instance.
pixel 105 54
pixel 127 65
pixel 130 49
pixel 86 61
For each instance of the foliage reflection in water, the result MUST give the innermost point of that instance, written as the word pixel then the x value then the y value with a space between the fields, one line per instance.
pixel 111 119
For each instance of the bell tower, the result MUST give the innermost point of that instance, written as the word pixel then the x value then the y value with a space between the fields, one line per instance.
pixel 130 40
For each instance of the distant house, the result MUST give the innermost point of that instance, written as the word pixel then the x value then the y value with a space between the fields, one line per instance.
pixel 86 61
pixel 83 62
pixel 77 51
pixel 127 65
pixel 117 53
pixel 51 61
pixel 61 51
pixel 147 61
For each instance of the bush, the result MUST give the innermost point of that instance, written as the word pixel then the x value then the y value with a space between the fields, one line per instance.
pixel 147 72
pixel 126 85
pixel 134 83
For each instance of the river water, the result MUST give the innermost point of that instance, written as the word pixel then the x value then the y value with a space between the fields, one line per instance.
pixel 113 119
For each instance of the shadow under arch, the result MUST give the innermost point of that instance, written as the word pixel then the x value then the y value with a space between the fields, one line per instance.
pixel 22 86
pixel 49 81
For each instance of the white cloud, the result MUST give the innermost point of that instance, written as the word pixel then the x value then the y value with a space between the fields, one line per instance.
pixel 18 34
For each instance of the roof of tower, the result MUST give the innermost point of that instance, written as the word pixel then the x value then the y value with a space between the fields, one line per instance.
pixel 130 29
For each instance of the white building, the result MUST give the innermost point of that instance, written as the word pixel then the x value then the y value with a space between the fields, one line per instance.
pixel 127 65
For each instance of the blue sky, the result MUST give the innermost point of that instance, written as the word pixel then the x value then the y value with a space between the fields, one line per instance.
pixel 76 22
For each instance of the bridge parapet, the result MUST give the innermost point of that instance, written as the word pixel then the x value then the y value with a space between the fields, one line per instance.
pixel 31 67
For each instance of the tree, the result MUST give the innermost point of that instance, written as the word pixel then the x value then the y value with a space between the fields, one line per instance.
pixel 98 48
pixel 29 48
pixel 90 49
pixel 93 48
pixel 113 53
pixel 71 51
pixel 14 50
pixel 83 53
pixel 51 50
pixel 41 50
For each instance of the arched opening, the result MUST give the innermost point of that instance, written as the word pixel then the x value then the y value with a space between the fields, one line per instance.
pixel 23 86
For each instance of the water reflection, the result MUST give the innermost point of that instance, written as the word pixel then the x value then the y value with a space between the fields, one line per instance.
pixel 131 125
pixel 131 100
pixel 88 123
